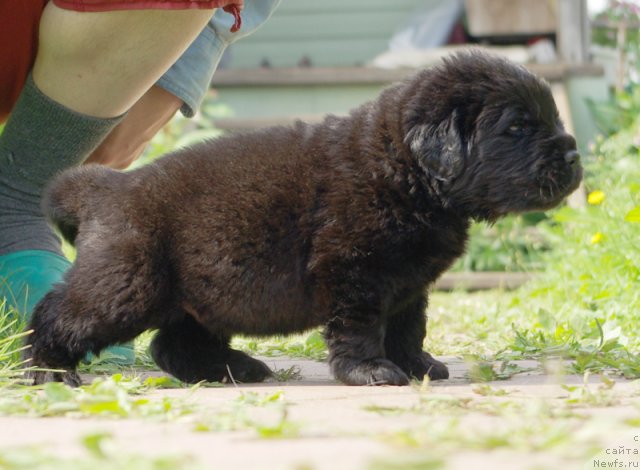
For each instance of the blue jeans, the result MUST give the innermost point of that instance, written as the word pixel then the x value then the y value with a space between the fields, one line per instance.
pixel 190 76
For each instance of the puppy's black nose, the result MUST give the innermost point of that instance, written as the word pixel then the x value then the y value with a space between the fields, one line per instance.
pixel 572 157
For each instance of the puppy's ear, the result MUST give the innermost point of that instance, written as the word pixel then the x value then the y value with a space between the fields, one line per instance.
pixel 439 149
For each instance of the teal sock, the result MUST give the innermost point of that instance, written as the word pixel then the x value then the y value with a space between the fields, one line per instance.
pixel 40 139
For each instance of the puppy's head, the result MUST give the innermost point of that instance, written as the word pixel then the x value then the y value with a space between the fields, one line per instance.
pixel 488 135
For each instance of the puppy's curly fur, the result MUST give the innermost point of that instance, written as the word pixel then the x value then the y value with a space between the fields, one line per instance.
pixel 343 224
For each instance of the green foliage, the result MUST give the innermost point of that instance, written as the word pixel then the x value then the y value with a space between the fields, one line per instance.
pixel 596 261
pixel 266 414
pixel 542 433
pixel 487 390
pixel 110 397
pixel 288 375
pixel 97 455
pixel 12 333
pixel 182 132
pixel 590 347
pixel 483 369
pixel 604 31
pixel 522 424
pixel 512 244
pixel 412 461
pixel 585 394
pixel 309 346
pixel 620 112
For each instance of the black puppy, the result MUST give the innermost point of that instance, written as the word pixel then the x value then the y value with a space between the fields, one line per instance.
pixel 343 224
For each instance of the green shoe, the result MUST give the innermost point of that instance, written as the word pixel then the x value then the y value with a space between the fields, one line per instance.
pixel 26 276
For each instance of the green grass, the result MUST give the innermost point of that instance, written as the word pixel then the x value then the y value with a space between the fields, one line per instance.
pixel 97 455
pixel 267 415
pixel 106 397
pixel 569 430
pixel 12 334
pixel 308 346
pixel 512 244
pixel 128 397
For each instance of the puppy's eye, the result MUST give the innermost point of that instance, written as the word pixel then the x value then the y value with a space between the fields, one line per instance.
pixel 517 127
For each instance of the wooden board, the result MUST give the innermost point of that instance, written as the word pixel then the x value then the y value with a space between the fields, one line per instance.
pixel 482 281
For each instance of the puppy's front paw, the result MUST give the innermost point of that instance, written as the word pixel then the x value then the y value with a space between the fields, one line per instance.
pixel 377 371
pixel 424 364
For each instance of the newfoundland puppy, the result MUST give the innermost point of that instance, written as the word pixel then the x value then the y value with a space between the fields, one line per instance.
pixel 343 224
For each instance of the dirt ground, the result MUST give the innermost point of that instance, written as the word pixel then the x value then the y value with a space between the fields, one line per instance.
pixel 338 427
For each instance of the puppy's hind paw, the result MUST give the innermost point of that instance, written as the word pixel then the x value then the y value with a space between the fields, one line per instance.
pixel 72 378
pixel 246 369
pixel 40 377
pixel 377 371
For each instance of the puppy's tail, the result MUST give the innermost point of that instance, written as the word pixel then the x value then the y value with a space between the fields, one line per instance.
pixel 76 195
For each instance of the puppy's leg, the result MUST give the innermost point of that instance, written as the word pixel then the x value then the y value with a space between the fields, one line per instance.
pixel 63 334
pixel 188 351
pixel 356 354
pixel 355 337
pixel 49 347
pixel 110 297
pixel 405 335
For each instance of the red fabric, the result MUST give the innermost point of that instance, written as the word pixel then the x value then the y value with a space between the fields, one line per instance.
pixel 19 21
pixel 109 5
pixel 18 43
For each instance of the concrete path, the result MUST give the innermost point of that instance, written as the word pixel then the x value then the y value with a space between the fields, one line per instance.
pixel 334 427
